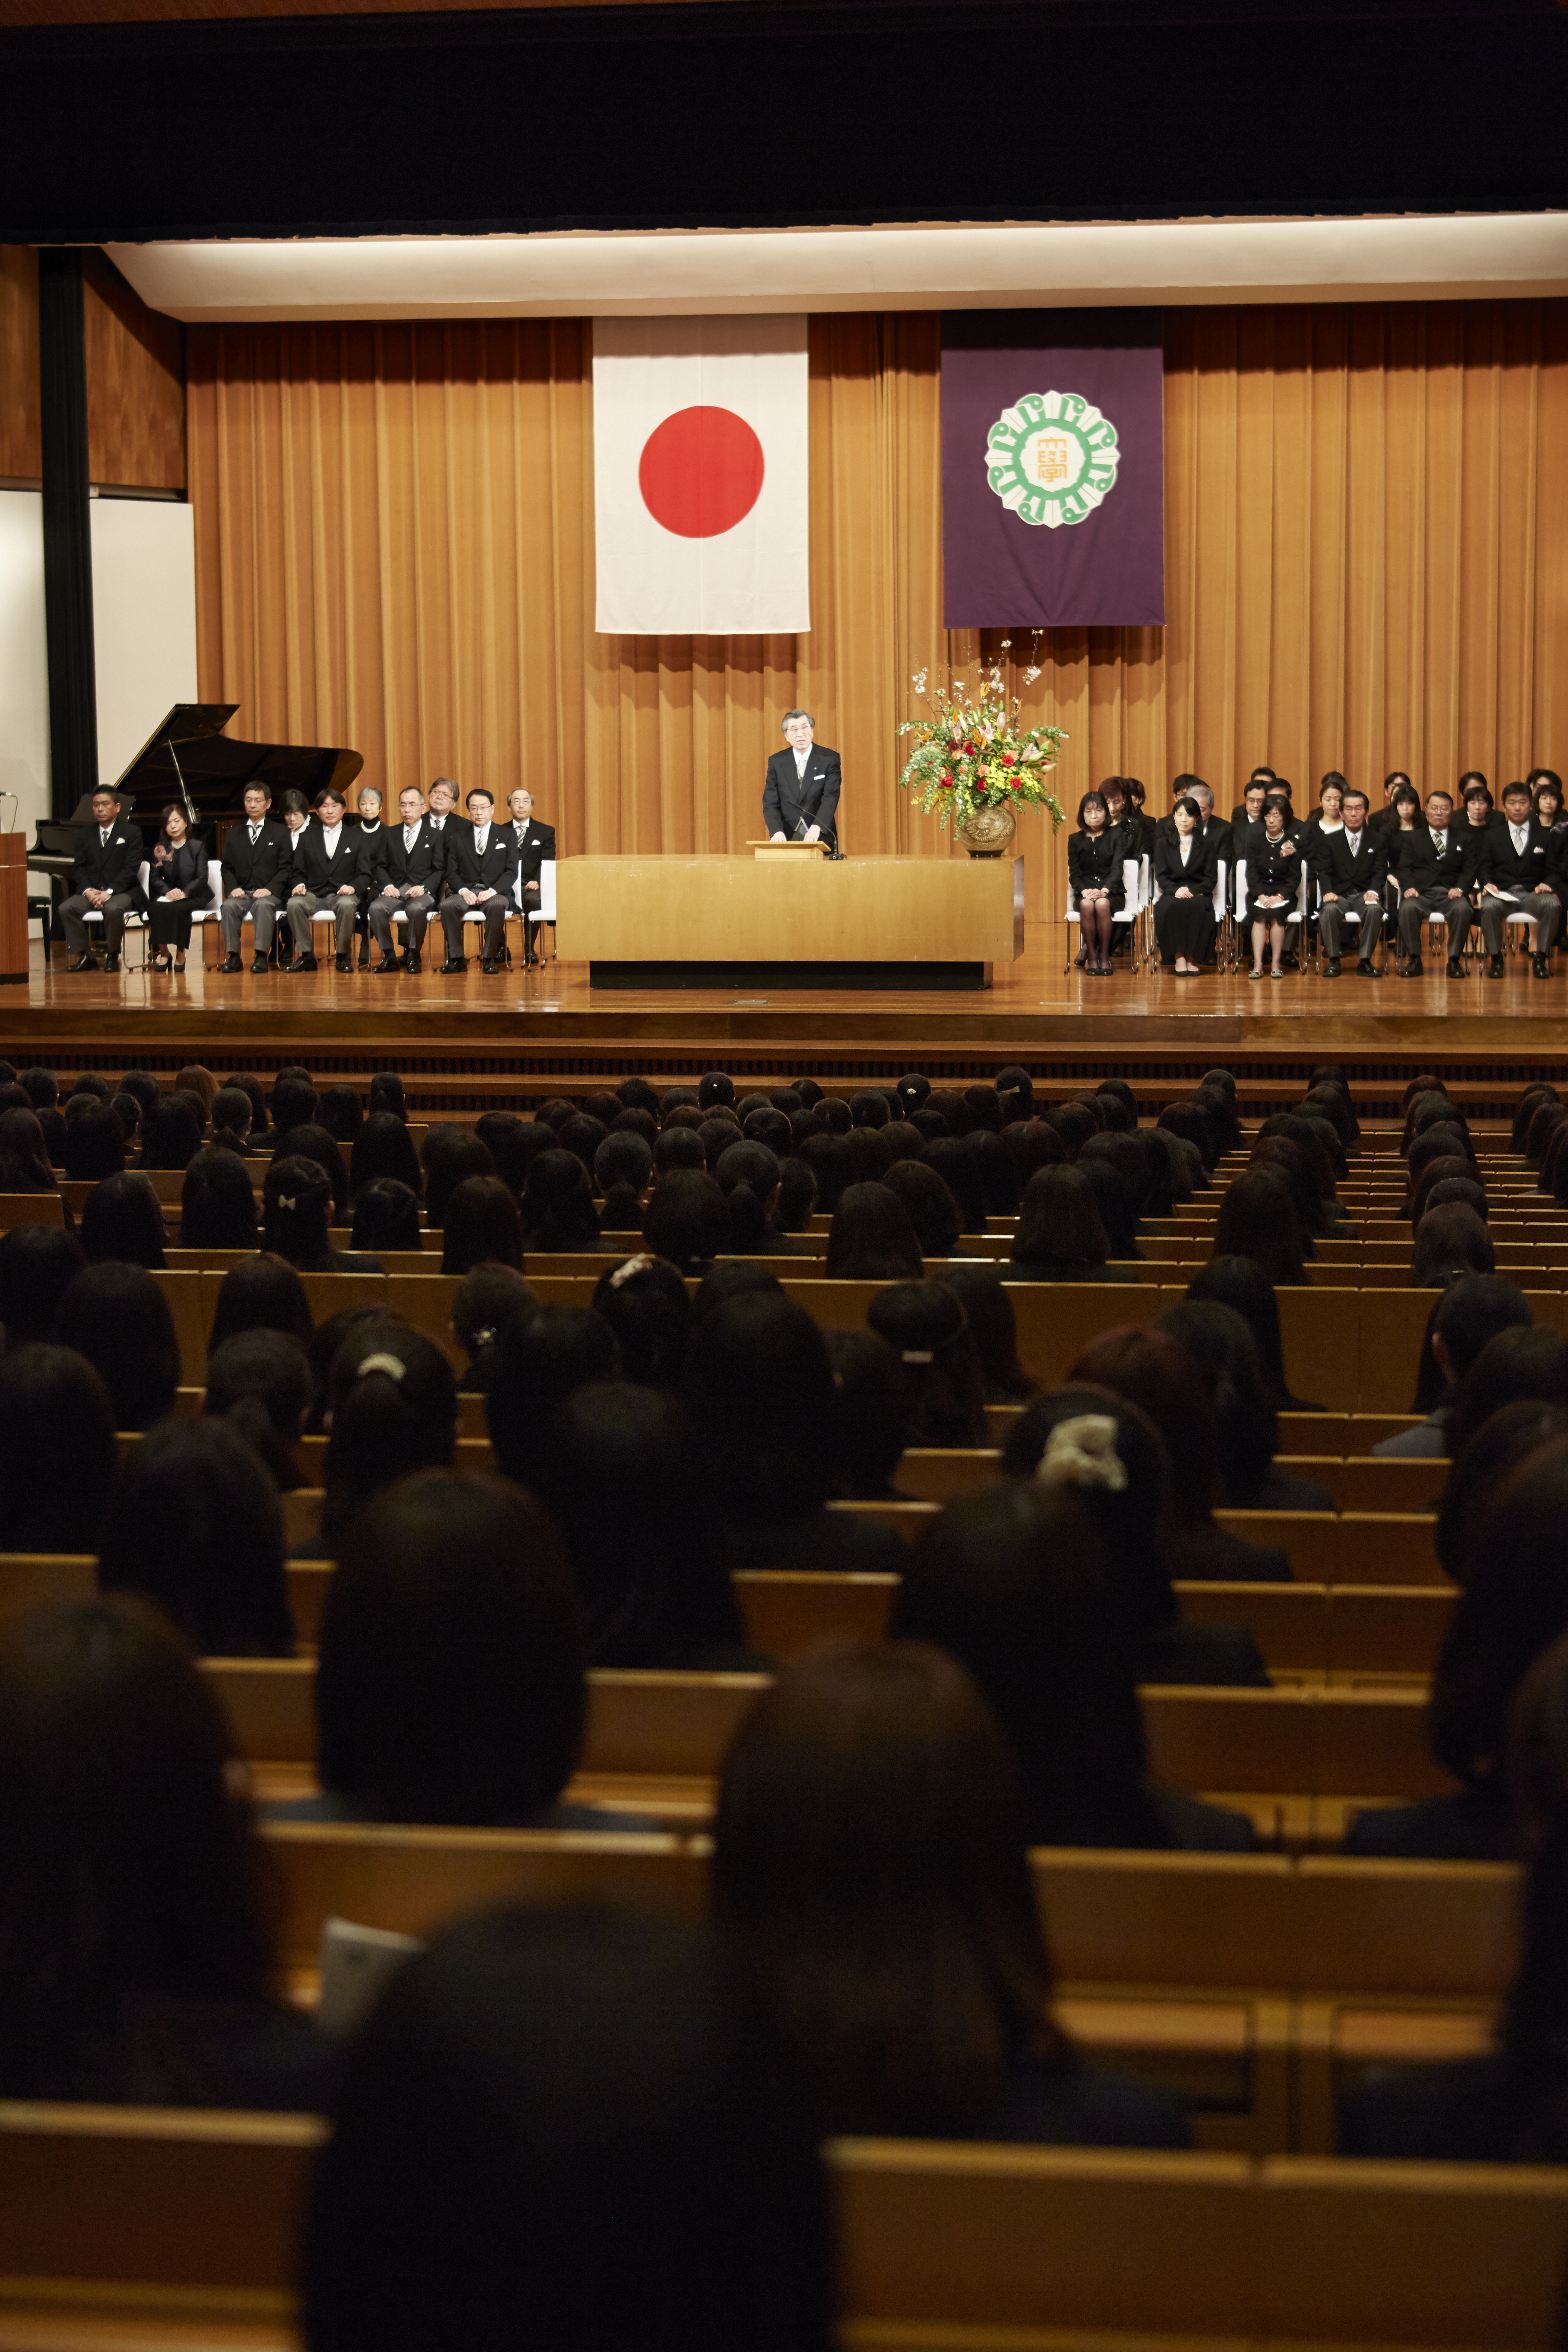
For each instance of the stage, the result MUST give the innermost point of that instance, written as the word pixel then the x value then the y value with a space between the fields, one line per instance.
pixel 462 1044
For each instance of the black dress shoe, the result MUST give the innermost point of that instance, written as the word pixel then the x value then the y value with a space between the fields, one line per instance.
pixel 257 964
pixel 231 963
pixel 307 962
pixel 456 963
pixel 345 963
pixel 85 964
pixel 1415 968
pixel 1455 968
pixel 1332 969
pixel 1541 968
pixel 387 963
pixel 411 962
pixel 1494 969
pixel 488 964
pixel 111 963
pixel 1365 971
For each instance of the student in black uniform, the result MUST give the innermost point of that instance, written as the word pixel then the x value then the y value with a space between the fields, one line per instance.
pixel 1094 857
pixel 1273 881
pixel 1515 872
pixel 1184 872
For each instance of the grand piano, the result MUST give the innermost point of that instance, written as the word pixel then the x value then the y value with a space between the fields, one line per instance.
pixel 188 759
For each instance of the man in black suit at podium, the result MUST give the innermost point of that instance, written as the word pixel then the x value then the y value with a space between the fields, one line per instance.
pixel 800 798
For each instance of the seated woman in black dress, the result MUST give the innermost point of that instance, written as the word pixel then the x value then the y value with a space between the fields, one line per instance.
pixel 176 882
pixel 1184 873
pixel 1273 880
pixel 1094 857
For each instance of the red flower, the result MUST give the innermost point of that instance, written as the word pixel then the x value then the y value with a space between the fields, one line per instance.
pixel 1009 760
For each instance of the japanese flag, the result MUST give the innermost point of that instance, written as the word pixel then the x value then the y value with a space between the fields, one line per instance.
pixel 699 474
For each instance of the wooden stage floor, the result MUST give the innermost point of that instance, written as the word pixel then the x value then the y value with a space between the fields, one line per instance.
pixel 530 1024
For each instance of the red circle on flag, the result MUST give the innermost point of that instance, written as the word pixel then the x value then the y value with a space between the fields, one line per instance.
pixel 701 472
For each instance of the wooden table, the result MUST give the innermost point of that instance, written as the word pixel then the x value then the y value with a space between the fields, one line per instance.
pixel 745 922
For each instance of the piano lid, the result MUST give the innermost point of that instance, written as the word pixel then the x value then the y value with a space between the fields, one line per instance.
pixel 190 745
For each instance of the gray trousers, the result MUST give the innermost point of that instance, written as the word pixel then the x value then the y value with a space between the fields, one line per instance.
pixel 419 910
pixel 1541 904
pixel 115 910
pixel 1413 913
pixel 1331 923
pixel 345 909
pixel 495 910
pixel 262 912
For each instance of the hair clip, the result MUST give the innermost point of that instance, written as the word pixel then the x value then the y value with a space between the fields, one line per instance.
pixel 633 1265
pixel 918 1356
pixel 1082 1453
pixel 485 1337
pixel 381 1363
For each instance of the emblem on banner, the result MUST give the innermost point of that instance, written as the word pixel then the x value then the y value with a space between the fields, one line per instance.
pixel 1051 458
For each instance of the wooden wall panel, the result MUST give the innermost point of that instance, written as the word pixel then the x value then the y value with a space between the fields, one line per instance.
pixel 135 384
pixel 21 453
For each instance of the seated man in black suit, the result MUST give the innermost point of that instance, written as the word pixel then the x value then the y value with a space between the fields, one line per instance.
pixel 407 867
pixel 481 860
pixel 800 797
pixel 103 878
pixel 1515 871
pixel 1352 869
pixel 536 845
pixel 1436 864
pixel 326 857
pixel 258 859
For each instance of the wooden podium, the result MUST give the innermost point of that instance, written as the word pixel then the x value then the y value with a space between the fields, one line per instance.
pixel 14 907
pixel 791 920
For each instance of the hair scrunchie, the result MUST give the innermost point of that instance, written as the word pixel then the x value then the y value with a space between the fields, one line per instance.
pixel 1082 1453
pixel 381 1363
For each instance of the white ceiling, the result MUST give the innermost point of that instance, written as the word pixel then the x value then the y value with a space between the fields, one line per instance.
pixel 590 273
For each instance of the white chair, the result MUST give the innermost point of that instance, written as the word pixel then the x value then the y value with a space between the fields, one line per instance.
pixel 203 914
pixel 1131 908
pixel 1221 910
pixel 545 911
pixel 133 921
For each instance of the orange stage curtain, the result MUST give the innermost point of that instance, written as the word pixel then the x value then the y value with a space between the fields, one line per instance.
pixel 1366 561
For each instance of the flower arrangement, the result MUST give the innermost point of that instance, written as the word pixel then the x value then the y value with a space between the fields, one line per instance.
pixel 971 755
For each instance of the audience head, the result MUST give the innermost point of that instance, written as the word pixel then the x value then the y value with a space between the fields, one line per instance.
pixel 386 1217
pixel 929 1205
pixel 1113 1457
pixel 687 1222
pixel 649 1309
pixel 1449 1241
pixel 485 1302
pixel 171 1134
pixel 449 1154
pixel 393 1401
pixel 961 1173
pixel 540 1362
pixel 37 1264
pixel 384 1149
pixel 1157 1373
pixel 217 1206
pixel 872 1238
pixel 925 1322
pixel 759 1389
pixel 258 1383
pixel 124 1220
pixel 24 1155
pixel 95 1146
pixel 1058 1224
pixel 1527 1363
pixel 876 1412
pixel 195 1526
pixel 1257 1219
pixel 1513 1607
pixel 1246 1422
pixel 980 1291
pixel 1495 1450
pixel 116 1316
pixel 481 1227
pixel 58 1456
pixel 260 1294
pixel 557 1211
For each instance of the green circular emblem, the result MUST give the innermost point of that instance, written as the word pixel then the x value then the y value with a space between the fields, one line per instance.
pixel 1051 458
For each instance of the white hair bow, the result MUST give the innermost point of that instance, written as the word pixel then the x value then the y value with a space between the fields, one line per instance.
pixel 1082 1453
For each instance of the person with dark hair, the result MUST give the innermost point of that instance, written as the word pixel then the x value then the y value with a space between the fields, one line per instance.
pixel 875 1415
pixel 1154 1371
pixel 171 1134
pixel 37 1264
pixel 261 1293
pixel 217 1206
pixel 104 882
pixel 687 1221
pixel 872 1238
pixel 116 1316
pixel 177 882
pixel 870 1859
pixel 749 1175
pixel 1016 1581
pixel 981 1293
pixel 557 1211
pixel 387 1094
pixel 623 1167
pixel 122 1218
pixel 313 1142
pixel 1464 1318
pixel 758 1387
pixel 137 1966
pixel 94 1146
pixel 1495 1450
pixel 297 1198
pixel 325 881
pixel 258 1385
pixel 386 1217
pixel 340 1114
pixel 293 1105
pixel 1246 1424
pixel 1513 1607
pixel 1257 1219
pixel 929 1205
pixel 925 1323
pixel 1060 1236
pixel 1448 1242
pixel 1094 856
pixel 481 1227
pixel 384 1148
pixel 232 1119
pixel 1514 1364
pixel 620 1472
pixel 451 1686
pixel 575 2127
pixel 961 1173
pixel 487 1300
pixel 481 867
pixel 649 1309
pixel 1241 1284
pixel 1184 880
pixel 57 1457
pixel 195 1526
pixel 1516 867
pixel 1351 868
pixel 1434 867
pixel 392 1398
pixel 540 1360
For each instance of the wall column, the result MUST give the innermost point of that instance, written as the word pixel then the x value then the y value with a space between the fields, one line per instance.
pixel 68 528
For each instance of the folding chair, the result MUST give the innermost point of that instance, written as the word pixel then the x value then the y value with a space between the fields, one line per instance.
pixel 133 921
pixel 545 911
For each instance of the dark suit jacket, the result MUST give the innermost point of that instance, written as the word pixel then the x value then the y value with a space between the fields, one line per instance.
pixel 1095 861
pixel 790 801
pixel 1347 876
pixel 1198 875
pixel 468 870
pixel 324 877
pixel 1268 869
pixel 451 831
pixel 1501 864
pixel 537 846
pixel 111 866
pixel 185 869
pixel 265 866
pixel 1419 868
pixel 425 863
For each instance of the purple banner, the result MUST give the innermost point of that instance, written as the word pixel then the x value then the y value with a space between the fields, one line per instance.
pixel 1052 468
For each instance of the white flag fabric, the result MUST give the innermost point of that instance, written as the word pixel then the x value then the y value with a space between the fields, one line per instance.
pixel 700 504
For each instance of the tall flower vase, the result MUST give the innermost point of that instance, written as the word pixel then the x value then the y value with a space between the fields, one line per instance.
pixel 988 832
